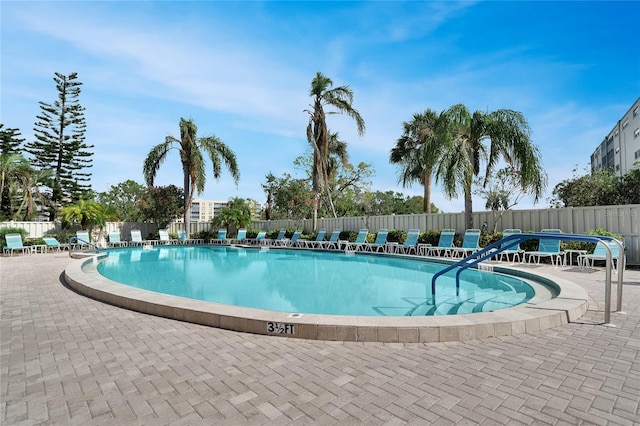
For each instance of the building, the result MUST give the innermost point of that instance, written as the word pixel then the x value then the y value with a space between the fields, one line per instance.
pixel 620 149
pixel 205 210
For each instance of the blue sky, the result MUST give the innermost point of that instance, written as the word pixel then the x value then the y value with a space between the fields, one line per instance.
pixel 242 71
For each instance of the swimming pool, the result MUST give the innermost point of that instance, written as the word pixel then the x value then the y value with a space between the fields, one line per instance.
pixel 311 282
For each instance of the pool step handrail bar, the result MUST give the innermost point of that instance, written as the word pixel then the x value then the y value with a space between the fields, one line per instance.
pixel 80 241
pixel 512 240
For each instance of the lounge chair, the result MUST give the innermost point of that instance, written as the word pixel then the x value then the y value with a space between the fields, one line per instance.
pixel 600 253
pixel 332 243
pixel 136 238
pixel 470 244
pixel 54 245
pixel 182 237
pixel 165 238
pixel 14 243
pixel 83 240
pixel 258 239
pixel 380 243
pixel 290 242
pixel 276 241
pixel 115 241
pixel 220 239
pixel 515 251
pixel 445 243
pixel 241 238
pixel 547 248
pixel 359 243
pixel 313 243
pixel 410 244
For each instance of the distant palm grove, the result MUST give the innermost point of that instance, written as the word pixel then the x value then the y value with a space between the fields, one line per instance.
pixel 490 154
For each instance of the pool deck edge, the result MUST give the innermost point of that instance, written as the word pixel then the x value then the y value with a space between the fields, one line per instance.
pixel 570 304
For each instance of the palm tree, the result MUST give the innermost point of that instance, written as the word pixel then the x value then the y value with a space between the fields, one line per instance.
pixel 324 95
pixel 193 162
pixel 27 184
pixel 418 151
pixel 12 166
pixel 509 139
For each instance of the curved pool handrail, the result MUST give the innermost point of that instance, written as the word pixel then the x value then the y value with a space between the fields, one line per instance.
pixel 515 239
pixel 80 241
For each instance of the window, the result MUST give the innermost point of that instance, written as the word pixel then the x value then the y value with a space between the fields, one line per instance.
pixel 636 132
pixel 616 132
pixel 636 110
pixel 625 124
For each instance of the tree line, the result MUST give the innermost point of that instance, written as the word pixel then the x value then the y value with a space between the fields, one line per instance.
pixel 456 148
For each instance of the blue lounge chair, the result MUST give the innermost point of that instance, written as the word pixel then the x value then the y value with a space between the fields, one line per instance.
pixel 445 243
pixel 600 253
pixel 470 244
pixel 83 240
pixel 515 251
pixel 241 238
pixel 114 240
pixel 290 242
pixel 359 243
pixel 380 243
pixel 54 245
pixel 14 243
pixel 547 248
pixel 259 238
pixel 313 243
pixel 220 239
pixel 410 244
pixel 332 244
pixel 277 240
pixel 182 237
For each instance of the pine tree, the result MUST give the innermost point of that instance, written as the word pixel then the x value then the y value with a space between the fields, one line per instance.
pixel 10 140
pixel 60 144
pixel 10 162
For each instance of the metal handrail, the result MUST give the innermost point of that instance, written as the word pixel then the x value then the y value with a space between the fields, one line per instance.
pixel 79 240
pixel 513 240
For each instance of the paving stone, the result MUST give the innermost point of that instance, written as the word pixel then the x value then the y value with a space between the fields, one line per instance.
pixel 67 359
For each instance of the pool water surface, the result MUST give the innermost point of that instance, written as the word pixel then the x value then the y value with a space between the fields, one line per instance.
pixel 311 282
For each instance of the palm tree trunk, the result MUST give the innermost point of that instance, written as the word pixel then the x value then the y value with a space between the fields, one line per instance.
pixel 426 182
pixel 187 204
pixel 468 208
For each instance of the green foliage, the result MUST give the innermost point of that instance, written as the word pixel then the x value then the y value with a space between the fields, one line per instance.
pixel 123 199
pixel 86 214
pixel 5 231
pixel 60 144
pixel 429 237
pixel 161 204
pixel 204 235
pixel 581 245
pixel 288 198
pixel 237 213
pixel 396 236
pixel 598 189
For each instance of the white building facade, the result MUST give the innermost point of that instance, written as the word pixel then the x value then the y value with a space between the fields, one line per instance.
pixel 620 149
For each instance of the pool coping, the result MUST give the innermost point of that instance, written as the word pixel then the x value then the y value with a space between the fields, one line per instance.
pixel 569 305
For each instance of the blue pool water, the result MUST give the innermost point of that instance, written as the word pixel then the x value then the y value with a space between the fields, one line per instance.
pixel 305 281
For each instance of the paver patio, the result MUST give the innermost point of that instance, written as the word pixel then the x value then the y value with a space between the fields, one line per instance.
pixel 66 359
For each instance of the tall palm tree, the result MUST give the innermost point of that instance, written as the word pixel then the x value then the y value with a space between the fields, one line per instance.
pixel 418 151
pixel 27 185
pixel 191 150
pixel 509 139
pixel 12 167
pixel 341 99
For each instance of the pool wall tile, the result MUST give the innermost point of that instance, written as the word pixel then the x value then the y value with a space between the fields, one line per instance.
pixel 387 334
pixel 532 325
pixel 307 331
pixel 408 335
pixel 518 327
pixel 327 332
pixel 449 334
pixel 429 334
pixel 368 334
pixel 502 328
pixel 347 333
pixel 485 330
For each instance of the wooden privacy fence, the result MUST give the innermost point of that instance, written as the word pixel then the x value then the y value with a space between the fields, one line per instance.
pixel 622 220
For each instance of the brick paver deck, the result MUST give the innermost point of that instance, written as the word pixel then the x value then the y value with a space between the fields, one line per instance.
pixel 66 359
